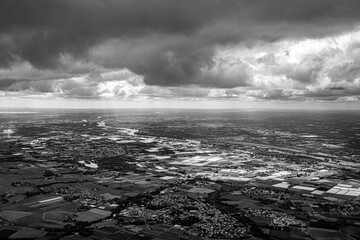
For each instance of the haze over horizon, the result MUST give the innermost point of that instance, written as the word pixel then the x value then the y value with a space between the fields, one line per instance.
pixel 298 54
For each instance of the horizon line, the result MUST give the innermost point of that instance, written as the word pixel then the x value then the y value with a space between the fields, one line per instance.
pixel 2 109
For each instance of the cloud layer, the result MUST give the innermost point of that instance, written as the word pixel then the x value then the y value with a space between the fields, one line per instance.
pixel 255 50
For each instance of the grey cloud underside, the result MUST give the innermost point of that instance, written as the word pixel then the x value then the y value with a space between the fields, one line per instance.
pixel 170 43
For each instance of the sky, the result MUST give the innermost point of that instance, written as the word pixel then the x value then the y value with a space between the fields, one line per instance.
pixel 180 54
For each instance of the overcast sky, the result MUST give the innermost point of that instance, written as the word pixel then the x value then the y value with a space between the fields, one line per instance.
pixel 172 53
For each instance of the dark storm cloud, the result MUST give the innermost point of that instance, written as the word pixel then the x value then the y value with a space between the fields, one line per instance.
pixel 5 83
pixel 305 72
pixel 169 42
pixel 162 61
pixel 42 30
pixel 41 86
pixel 326 94
pixel 346 71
